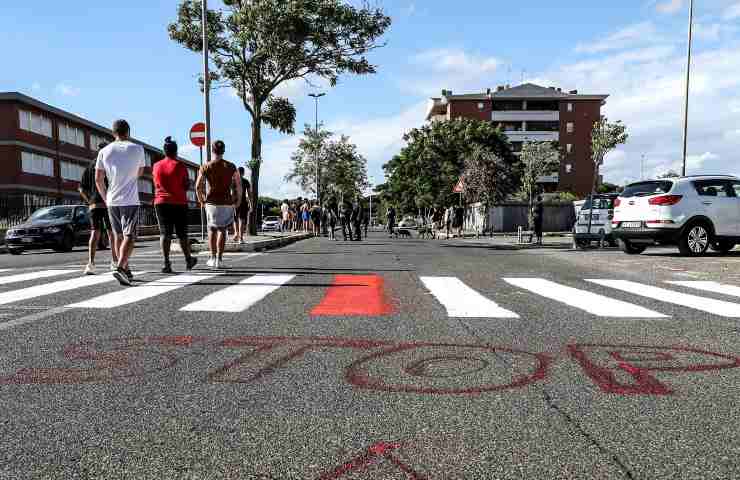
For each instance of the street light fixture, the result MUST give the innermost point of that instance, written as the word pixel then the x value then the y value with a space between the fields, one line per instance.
pixel 686 99
pixel 316 97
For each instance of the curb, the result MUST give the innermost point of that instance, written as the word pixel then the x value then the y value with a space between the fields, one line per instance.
pixel 257 246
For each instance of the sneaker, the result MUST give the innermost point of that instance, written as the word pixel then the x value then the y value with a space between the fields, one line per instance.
pixel 122 278
pixel 191 262
pixel 128 274
pixel 113 266
pixel 167 268
pixel 90 269
pixel 211 262
pixel 220 264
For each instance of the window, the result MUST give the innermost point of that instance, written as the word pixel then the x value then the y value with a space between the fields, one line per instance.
pixel 145 186
pixel 569 148
pixel 643 189
pixel 569 127
pixel 71 171
pixel 34 122
pixel 37 164
pixel 736 187
pixel 713 188
pixel 570 107
pixel 96 140
pixel 543 126
pixel 70 134
pixel 481 106
pixel 568 168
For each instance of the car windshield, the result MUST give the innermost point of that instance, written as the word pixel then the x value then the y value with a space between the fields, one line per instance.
pixel 271 219
pixel 605 203
pixel 53 213
pixel 643 189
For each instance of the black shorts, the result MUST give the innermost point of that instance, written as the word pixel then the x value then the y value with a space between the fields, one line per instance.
pixel 242 213
pixel 172 218
pixel 99 219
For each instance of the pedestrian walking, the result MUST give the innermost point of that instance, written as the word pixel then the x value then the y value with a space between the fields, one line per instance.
pixel 305 217
pixel 245 207
pixel 122 163
pixel 459 220
pixel 346 218
pixel 390 215
pixel 331 218
pixel 171 184
pixel 219 203
pixel 365 220
pixel 356 220
pixel 315 213
pixel 99 221
pixel 538 214
pixel 284 216
pixel 448 220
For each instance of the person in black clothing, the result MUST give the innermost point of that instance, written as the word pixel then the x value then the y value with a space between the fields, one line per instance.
pixel 391 216
pixel 356 219
pixel 99 220
pixel 242 212
pixel 365 220
pixel 331 217
pixel 346 219
pixel 538 216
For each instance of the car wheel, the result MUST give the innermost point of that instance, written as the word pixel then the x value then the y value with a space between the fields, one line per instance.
pixel 631 248
pixel 723 246
pixel 67 243
pixel 695 240
pixel 583 244
pixel 15 251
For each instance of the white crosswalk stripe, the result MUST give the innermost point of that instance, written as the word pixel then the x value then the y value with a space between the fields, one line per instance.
pixel 36 291
pixel 714 287
pixel 3 270
pixel 461 301
pixel 709 305
pixel 583 300
pixel 25 277
pixel 239 297
pixel 128 296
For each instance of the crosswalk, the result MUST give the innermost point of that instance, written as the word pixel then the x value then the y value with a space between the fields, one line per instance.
pixel 368 295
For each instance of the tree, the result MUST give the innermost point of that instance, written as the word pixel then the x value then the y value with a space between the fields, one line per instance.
pixel 605 137
pixel 424 172
pixel 258 45
pixel 343 169
pixel 538 159
pixel 670 174
pixel 608 188
pixel 486 178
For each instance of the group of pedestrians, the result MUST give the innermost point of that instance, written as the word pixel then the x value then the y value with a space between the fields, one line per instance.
pixel 313 218
pixel 110 188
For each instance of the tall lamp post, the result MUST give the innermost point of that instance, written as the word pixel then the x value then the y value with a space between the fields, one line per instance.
pixel 686 99
pixel 316 97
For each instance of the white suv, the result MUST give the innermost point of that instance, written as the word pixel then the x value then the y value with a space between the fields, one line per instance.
pixel 695 213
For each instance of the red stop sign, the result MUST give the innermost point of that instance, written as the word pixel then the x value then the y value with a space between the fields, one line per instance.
pixel 198 134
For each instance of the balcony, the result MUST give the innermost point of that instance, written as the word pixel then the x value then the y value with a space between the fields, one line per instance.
pixel 526 116
pixel 518 136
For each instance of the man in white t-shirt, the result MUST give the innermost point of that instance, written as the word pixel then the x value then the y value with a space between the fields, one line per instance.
pixel 122 162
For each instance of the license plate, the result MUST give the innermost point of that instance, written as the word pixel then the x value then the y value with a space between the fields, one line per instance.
pixel 631 224
pixel 27 240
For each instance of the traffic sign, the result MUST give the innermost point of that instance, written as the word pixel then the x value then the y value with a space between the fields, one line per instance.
pixel 198 134
pixel 459 187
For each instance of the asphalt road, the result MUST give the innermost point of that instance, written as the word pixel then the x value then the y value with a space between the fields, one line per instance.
pixel 385 359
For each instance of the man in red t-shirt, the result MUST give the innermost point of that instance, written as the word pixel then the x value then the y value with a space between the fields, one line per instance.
pixel 171 184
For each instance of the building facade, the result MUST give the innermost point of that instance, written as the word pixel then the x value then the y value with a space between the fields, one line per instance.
pixel 530 112
pixel 44 151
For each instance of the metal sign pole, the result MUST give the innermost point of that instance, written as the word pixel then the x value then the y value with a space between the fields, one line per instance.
pixel 206 81
pixel 200 207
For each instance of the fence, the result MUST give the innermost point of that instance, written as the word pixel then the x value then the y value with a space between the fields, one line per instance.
pixel 508 217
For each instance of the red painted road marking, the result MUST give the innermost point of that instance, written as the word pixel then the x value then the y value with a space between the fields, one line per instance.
pixel 355 295
pixel 375 453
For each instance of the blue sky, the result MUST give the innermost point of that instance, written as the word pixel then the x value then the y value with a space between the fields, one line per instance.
pixel 104 61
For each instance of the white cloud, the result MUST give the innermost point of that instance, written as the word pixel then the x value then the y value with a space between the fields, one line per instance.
pixel 67 90
pixel 621 39
pixel 669 6
pixel 187 149
pixel 452 68
pixel 732 12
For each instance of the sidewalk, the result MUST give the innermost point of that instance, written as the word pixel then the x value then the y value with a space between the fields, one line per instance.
pixel 509 240
pixel 260 242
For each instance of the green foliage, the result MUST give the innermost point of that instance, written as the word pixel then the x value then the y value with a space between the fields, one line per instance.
pixel 608 188
pixel 257 45
pixel 538 159
pixel 670 174
pixel 343 169
pixel 425 171
pixel 487 178
pixel 605 137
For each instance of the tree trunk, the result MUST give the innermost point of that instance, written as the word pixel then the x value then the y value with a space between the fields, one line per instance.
pixel 255 167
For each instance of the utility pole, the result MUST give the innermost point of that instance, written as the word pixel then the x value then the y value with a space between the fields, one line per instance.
pixel 206 80
pixel 686 99
pixel 316 97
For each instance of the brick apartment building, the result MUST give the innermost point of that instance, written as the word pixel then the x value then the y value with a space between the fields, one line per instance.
pixel 44 150
pixel 530 112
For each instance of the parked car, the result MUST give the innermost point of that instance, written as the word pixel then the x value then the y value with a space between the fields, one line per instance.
pixel 600 214
pixel 270 224
pixel 408 222
pixel 695 213
pixel 61 228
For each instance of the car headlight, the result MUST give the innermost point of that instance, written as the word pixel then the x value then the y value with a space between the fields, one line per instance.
pixel 10 233
pixel 53 229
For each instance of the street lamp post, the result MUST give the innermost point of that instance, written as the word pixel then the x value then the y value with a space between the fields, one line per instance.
pixel 686 99
pixel 316 97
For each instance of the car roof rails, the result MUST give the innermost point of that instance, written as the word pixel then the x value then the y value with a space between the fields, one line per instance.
pixel 710 175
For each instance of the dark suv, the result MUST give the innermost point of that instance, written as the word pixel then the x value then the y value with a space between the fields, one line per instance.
pixel 61 228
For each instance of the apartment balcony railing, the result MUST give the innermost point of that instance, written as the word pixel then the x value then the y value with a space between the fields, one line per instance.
pixel 526 115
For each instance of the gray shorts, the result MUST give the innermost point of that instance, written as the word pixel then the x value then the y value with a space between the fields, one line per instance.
pixel 124 220
pixel 219 216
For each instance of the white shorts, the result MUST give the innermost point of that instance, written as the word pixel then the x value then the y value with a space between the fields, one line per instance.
pixel 219 216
